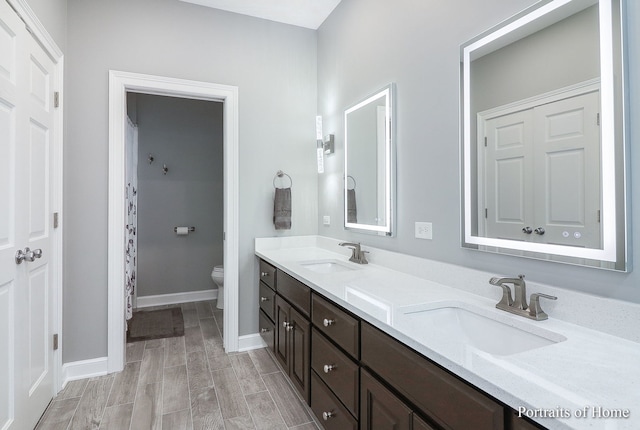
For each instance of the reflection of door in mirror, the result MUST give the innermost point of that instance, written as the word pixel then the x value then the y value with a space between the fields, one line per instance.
pixel 542 172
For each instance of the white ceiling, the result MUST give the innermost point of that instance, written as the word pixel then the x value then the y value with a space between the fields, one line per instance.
pixel 303 13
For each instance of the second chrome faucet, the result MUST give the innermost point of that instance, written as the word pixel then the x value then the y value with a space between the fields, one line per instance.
pixel 518 304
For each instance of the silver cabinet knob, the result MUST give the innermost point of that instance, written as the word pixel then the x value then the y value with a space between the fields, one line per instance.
pixel 264 330
pixel 327 415
pixel 539 231
pixel 263 274
pixel 287 325
pixel 527 230
pixel 264 299
pixel 327 322
pixel 329 367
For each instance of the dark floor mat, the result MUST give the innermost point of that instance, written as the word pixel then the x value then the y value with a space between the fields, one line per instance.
pixel 158 324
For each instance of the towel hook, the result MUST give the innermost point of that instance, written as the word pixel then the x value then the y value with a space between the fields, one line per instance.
pixel 280 174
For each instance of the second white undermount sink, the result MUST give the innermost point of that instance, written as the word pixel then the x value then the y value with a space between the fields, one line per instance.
pixel 327 266
pixel 458 323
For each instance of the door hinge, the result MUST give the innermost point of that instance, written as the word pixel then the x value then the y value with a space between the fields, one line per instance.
pixel 486 213
pixel 598 215
pixel 55 220
pixel 598 118
pixel 55 342
pixel 485 141
pixel 56 99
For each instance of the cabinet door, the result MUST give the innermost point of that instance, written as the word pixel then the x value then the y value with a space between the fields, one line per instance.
pixel 299 357
pixel 380 409
pixel 282 338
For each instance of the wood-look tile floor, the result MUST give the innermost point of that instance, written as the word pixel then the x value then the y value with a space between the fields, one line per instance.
pixel 185 382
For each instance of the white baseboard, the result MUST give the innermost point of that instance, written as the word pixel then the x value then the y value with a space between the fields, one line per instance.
pixel 84 369
pixel 250 341
pixel 171 299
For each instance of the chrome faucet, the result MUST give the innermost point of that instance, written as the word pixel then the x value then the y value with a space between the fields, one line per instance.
pixel 518 304
pixel 357 254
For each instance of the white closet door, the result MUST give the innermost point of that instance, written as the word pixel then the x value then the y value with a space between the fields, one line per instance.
pixel 508 175
pixel 26 132
pixel 567 166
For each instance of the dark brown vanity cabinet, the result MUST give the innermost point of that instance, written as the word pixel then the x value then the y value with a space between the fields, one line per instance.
pixel 292 345
pixel 355 376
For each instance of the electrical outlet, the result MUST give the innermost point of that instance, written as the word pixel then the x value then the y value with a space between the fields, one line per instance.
pixel 326 220
pixel 424 230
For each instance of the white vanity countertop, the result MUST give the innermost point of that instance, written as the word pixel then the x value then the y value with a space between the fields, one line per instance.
pixel 589 371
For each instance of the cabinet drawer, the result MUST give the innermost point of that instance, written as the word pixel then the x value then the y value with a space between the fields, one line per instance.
pixel 297 293
pixel 330 412
pixel 266 328
pixel 268 274
pixel 447 400
pixel 343 377
pixel 339 326
pixel 267 300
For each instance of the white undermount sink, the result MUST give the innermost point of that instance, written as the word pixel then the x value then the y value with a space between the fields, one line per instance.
pixel 327 266
pixel 459 323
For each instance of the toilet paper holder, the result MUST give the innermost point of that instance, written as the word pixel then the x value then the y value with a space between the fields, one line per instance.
pixel 191 229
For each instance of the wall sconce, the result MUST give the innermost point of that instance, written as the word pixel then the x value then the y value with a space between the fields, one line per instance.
pixel 328 144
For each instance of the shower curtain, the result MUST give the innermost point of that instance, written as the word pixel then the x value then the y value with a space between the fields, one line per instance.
pixel 131 241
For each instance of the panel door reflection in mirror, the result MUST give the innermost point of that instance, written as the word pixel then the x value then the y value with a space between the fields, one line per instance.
pixel 368 175
pixel 543 135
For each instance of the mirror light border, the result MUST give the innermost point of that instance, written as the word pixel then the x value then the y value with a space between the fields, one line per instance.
pixel 609 250
pixel 387 229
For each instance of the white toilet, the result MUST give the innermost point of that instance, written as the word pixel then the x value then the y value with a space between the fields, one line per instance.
pixel 218 277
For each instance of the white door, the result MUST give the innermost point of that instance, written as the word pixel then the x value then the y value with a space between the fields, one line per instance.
pixel 508 176
pixel 567 172
pixel 26 133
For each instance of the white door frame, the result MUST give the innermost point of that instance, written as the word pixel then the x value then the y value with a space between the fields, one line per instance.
pixel 119 84
pixel 39 32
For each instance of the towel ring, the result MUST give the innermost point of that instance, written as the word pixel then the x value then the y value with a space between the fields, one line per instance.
pixel 280 174
pixel 354 182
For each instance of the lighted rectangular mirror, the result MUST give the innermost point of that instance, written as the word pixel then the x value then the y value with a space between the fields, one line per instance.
pixel 369 165
pixel 544 135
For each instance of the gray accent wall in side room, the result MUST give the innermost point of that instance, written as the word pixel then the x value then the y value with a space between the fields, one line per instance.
pixel 186 135
pixel 274 67
pixel 365 44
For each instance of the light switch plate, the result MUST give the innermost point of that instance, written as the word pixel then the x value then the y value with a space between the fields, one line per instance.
pixel 326 220
pixel 424 230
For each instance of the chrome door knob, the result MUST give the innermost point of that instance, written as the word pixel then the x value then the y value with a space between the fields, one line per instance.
pixel 527 230
pixel 32 255
pixel 20 256
pixel 539 231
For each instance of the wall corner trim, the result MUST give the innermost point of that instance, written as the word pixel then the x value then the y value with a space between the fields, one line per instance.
pixel 83 369
pixel 250 341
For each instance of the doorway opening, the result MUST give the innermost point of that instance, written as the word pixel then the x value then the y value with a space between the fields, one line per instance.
pixel 121 83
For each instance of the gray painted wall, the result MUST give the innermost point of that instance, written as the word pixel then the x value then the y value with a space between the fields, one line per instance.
pixel 53 15
pixel 186 135
pixel 274 66
pixel 418 48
